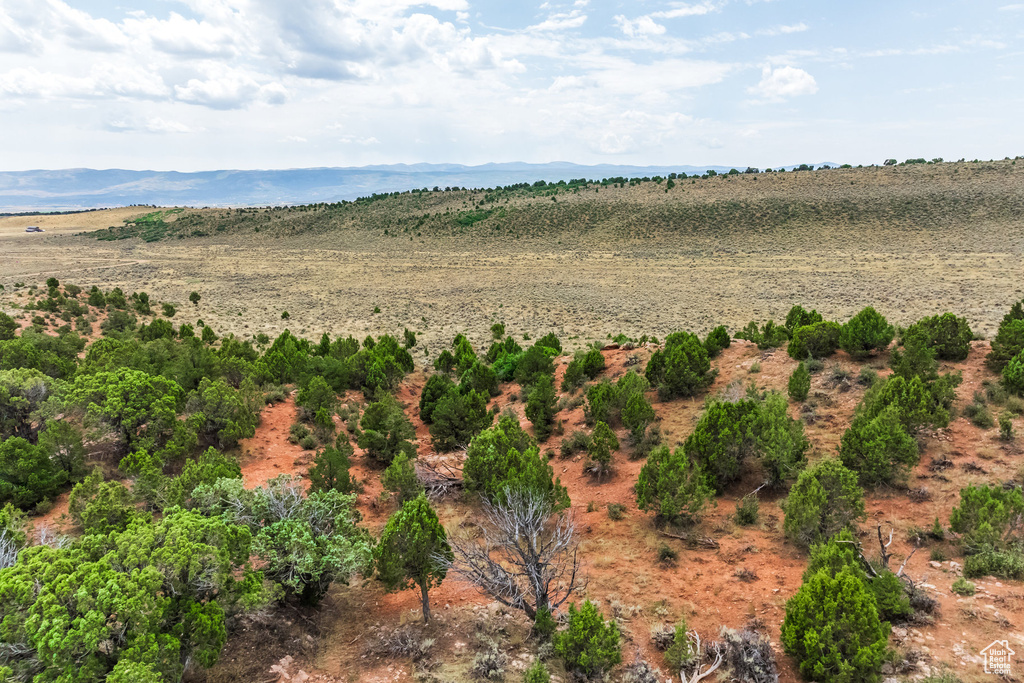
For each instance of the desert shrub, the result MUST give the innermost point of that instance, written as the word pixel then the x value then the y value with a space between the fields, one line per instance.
pixel 978 414
pixel 833 630
pixel 878 449
pixel 573 377
pixel 589 645
pixel 1004 564
pixel 949 336
pixel 479 377
pixel 1005 426
pixel 749 655
pixel 717 340
pixel 506 457
pixel 27 474
pixel 137 568
pixel 891 598
pixel 436 387
pixel 824 501
pixel 444 362
pixel 456 418
pixel 534 364
pixel 988 517
pixel 1014 405
pixel 748 510
pixel 603 443
pixel 864 333
pixel 681 368
pixel 8 327
pixel 500 349
pixel 386 431
pixel 316 394
pixel 225 415
pixel 158 329
pixel 62 441
pixel 591 362
pixel 671 485
pixel 118 321
pixel 489 664
pixel 209 336
pixel 96 297
pixel 330 469
pixel 680 652
pixel 725 436
pixel 400 478
pixel 799 383
pixel 819 340
pixel 210 466
pixel 667 554
pixel 1013 375
pixel 616 511
pixel 962 587
pixel 650 440
pixel 601 398
pixel 550 341
pixel 99 507
pixel 540 406
pixel 769 336
pixel 297 432
pixel 168 310
pixel 637 415
pixel 1008 342
pixel 463 353
pixel 537 673
pixel 915 403
pixel 574 443
pixel 730 433
pixel 798 317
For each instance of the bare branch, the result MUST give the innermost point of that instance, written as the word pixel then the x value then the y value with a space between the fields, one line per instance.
pixel 699 661
pixel 527 557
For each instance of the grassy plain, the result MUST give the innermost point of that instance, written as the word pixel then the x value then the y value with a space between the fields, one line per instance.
pixel 587 263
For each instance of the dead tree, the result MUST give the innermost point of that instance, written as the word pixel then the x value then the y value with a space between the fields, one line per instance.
pixel 528 556
pixel 699 670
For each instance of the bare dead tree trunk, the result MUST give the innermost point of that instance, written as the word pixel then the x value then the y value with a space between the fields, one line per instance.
pixel 528 556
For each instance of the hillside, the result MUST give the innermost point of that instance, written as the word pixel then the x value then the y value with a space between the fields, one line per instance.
pixel 170 416
pixel 733 212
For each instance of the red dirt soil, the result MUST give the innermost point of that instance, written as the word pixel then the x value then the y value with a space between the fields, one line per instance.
pixel 620 556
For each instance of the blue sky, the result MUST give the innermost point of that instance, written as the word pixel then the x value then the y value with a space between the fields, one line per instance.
pixel 207 84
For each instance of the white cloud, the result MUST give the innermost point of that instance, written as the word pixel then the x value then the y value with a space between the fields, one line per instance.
pixel 1015 7
pixel 159 125
pixel 226 88
pixel 561 21
pixel 357 140
pixel 783 29
pixel 686 10
pixel 641 26
pixel 785 81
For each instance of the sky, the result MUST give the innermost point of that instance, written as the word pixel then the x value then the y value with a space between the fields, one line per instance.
pixel 192 85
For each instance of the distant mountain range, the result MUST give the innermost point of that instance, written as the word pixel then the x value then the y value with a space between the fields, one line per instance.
pixel 84 188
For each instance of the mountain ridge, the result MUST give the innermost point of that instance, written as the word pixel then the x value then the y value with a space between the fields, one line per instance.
pixel 87 188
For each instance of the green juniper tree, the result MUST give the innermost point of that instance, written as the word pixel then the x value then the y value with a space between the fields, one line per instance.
pixel 413 551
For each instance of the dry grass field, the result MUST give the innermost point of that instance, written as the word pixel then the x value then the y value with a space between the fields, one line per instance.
pixel 911 241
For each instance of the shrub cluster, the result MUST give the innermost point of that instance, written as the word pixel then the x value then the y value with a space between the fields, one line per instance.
pixel 506 457
pixel 681 368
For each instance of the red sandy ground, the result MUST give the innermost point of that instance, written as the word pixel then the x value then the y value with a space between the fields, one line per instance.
pixel 620 556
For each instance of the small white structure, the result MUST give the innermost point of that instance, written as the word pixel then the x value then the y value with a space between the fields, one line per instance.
pixel 34 228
